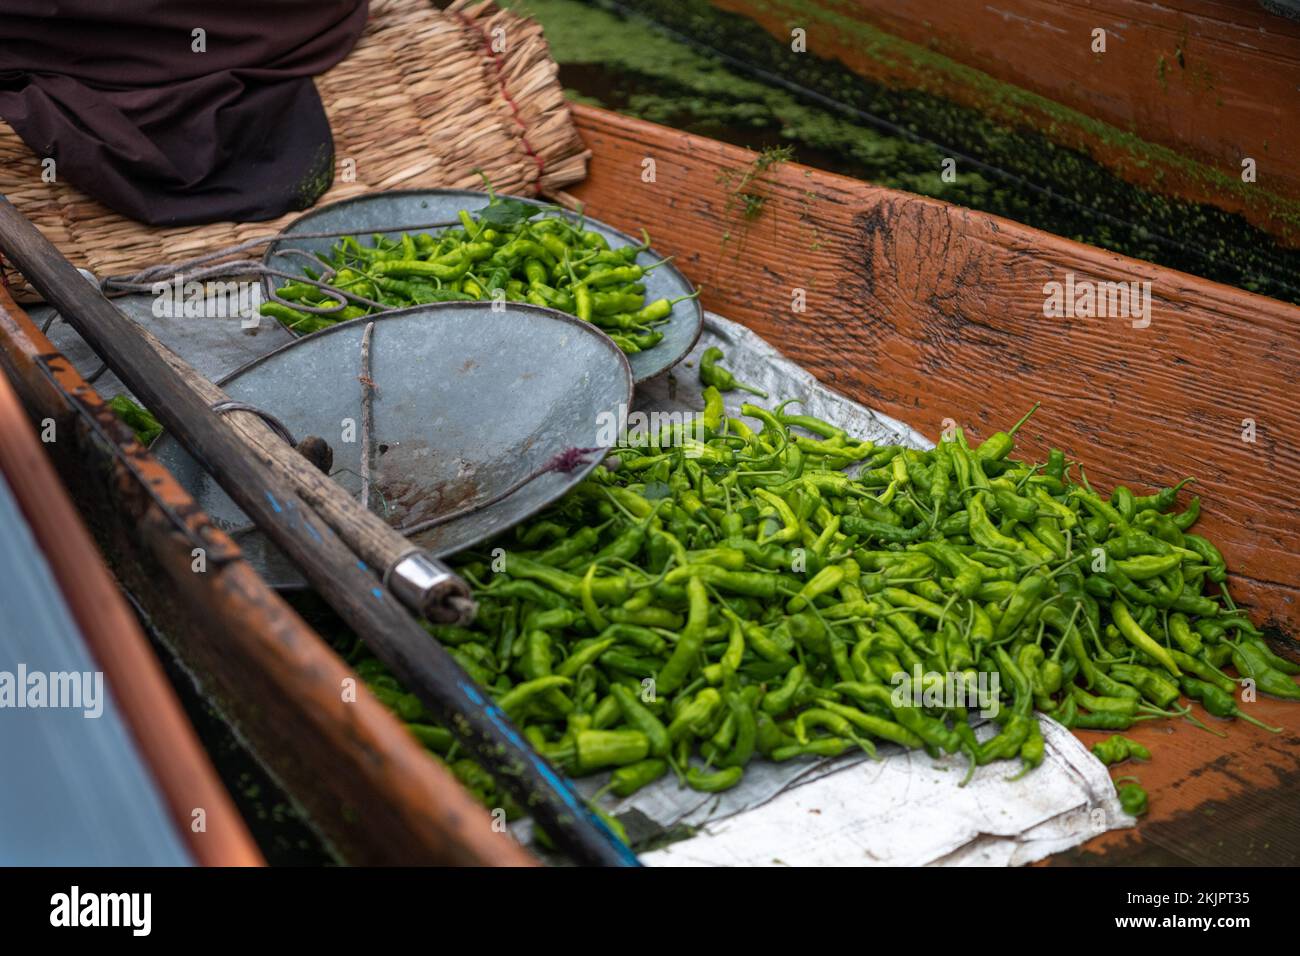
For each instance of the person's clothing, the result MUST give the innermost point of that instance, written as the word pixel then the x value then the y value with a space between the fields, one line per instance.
pixel 169 125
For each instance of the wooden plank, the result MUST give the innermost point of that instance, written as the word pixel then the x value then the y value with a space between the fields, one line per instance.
pixel 166 741
pixel 1205 82
pixel 1214 801
pixel 928 311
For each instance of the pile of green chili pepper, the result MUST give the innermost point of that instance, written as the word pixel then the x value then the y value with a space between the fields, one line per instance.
pixel 758 589
pixel 550 261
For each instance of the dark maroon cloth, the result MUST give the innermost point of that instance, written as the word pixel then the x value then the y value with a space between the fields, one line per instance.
pixel 114 91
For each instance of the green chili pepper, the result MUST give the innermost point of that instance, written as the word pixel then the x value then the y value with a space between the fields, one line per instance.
pixel 1263 651
pixel 641 718
pixel 604 590
pixel 1188 517
pixel 966 572
pixel 1123 706
pixel 1034 749
pixel 1250 662
pixel 1140 639
pixel 981 528
pixel 1149 566
pixel 931 730
pixel 714 412
pixel 825 581
pixel 821 747
pixel 875 726
pixel 1205 671
pixel 732 657
pixel 1122 501
pixel 819 717
pixel 1025 596
pixel 538 657
pixel 1133 799
pixel 715 782
pixel 686 654
pixel 630 778
pixel 1154 688
pixel 595 749
pixel 1102 720
pixel 1162 500
pixel 521 695
pixel 1220 703
pixel 741 708
pixel 780 700
pixel 1105 512
pixel 696 715
pixel 999 444
pixel 720 378
pixel 1117 749
pixel 1055 466
pixel 1012 505
pixel 525 591
pixel 1180 630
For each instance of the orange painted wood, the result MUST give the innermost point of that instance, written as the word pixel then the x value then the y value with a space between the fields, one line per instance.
pixel 1213 801
pixel 927 311
pixel 366 783
pixel 1229 86
pixel 167 743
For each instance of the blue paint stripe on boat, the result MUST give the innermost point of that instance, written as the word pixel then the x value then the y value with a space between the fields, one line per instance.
pixel 561 785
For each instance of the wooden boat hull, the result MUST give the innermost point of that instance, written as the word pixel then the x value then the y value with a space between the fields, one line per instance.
pixel 369 788
pixel 200 812
pixel 922 310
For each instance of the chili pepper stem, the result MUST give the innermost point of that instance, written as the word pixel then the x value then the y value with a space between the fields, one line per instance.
pixel 1187 715
pixel 970 767
pixel 1016 427
pixel 1259 723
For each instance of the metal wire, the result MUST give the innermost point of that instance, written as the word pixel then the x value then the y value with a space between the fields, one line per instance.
pixel 274 423
pixel 367 412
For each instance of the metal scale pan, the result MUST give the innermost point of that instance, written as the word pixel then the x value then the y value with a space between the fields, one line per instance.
pixel 469 406
pixel 397 211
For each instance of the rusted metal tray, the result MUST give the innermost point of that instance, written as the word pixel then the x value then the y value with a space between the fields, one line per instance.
pixel 470 407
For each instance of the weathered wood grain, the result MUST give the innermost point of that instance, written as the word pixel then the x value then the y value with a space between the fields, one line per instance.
pixel 928 311
pixel 1213 801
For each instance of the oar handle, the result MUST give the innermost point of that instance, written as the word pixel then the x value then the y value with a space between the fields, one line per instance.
pixel 430 587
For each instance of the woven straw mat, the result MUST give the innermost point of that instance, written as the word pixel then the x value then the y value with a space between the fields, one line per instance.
pixel 425 98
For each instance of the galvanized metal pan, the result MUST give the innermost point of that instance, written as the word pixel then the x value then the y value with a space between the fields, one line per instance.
pixel 392 213
pixel 470 407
